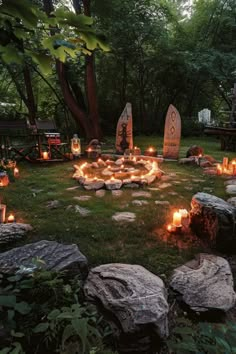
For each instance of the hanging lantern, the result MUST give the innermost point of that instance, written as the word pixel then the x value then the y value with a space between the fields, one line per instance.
pixel 75 145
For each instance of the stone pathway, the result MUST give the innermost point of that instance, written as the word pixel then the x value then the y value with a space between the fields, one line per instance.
pixel 124 216
pixel 83 198
pixel 142 194
pixel 138 202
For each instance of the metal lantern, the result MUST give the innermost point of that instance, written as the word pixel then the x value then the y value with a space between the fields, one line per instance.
pixel 75 145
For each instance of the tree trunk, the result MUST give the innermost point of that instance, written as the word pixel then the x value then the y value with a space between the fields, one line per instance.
pixel 91 84
pixel 32 109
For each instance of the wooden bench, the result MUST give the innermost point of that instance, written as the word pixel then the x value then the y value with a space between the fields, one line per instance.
pixel 227 137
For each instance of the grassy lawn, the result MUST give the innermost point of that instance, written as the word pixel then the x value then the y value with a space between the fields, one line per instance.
pixel 98 237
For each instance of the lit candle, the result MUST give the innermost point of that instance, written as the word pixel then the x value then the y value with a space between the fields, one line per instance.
pixel 45 155
pixel 225 162
pixel 219 169
pixel 171 228
pixel 16 172
pixel 11 218
pixel 2 213
pixel 234 167
pixel 177 219
pixel 1 183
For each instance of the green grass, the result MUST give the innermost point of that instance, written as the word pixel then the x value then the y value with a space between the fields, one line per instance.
pixel 98 237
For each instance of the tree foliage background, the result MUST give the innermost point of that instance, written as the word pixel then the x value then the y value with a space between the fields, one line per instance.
pixel 161 52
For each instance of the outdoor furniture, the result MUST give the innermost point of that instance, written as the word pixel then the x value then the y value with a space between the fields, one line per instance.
pixel 20 141
pixel 227 137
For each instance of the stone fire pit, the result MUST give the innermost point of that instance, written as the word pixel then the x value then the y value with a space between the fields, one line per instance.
pixel 113 173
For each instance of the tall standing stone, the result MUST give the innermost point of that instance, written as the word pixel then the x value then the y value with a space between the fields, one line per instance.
pixel 124 130
pixel 172 134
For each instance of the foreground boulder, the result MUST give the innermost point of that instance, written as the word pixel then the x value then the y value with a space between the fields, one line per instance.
pixel 205 283
pixel 13 232
pixel 56 257
pixel 135 298
pixel 212 219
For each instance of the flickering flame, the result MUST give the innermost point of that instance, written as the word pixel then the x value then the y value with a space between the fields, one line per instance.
pixel 132 177
pixel 109 166
pixel 83 165
pixel 89 149
pixel 177 219
pixel 112 178
pixel 200 155
pixel 151 149
pixel 234 162
pixel 122 166
pixel 169 227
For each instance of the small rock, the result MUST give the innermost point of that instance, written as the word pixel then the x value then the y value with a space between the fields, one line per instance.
pixel 107 172
pixel 13 231
pixel 124 216
pixel 113 184
pixel 72 188
pixel 232 201
pixel 230 182
pixel 100 193
pixel 231 189
pixel 139 202
pixel 53 204
pixel 187 161
pixel 131 185
pixel 83 197
pixel 164 185
pixel 162 202
pixel 95 165
pixel 82 211
pixel 92 184
pixel 117 192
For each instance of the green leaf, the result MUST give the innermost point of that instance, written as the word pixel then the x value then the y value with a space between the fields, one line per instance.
pixel 5 350
pixel 41 327
pixel 223 344
pixel 65 315
pixel 53 314
pixel 17 334
pixel 7 300
pixel 22 10
pixel 71 19
pixel 67 333
pixel 183 330
pixel 43 61
pixel 11 55
pixel 18 348
pixel 81 328
pixel 10 315
pixel 23 308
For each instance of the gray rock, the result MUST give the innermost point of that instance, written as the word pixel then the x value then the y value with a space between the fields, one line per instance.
pixel 136 299
pixel 164 185
pixel 205 283
pixel 230 182
pixel 124 216
pixel 93 184
pixel 113 184
pixel 13 231
pixel 162 202
pixel 231 189
pixel 53 204
pixel 187 161
pixel 232 201
pixel 56 257
pixel 138 202
pixel 82 211
pixel 213 219
pixel 131 185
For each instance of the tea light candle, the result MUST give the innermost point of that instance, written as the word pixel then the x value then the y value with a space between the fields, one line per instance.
pixel 177 219
pixel 225 162
pixel 219 169
pixel 45 155
pixel 16 172
pixel 234 167
pixel 137 151
pixel 150 152
pixel 11 218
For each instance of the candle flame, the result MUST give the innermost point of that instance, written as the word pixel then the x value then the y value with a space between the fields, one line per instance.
pixel 169 227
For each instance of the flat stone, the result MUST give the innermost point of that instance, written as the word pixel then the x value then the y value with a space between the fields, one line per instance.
pixel 232 201
pixel 187 161
pixel 197 180
pixel 231 189
pixel 117 192
pixel 210 171
pixel 138 202
pixel 82 211
pixel 172 193
pixel 165 178
pixel 205 283
pixel 132 185
pixel 119 162
pixel 124 216
pixel 100 193
pixel 13 231
pixel 153 189
pixel 83 198
pixel 72 188
pixel 91 184
pixel 230 182
pixel 141 194
pixel 136 300
pixel 162 202
pixel 53 204
pixel 55 257
pixel 107 172
pixel 113 184
pixel 213 220
pixel 188 188
pixel 164 185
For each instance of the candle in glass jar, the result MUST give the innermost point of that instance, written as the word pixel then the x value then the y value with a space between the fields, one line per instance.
pixel 177 219
pixel 11 218
pixel 45 155
pixel 16 172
